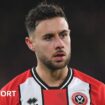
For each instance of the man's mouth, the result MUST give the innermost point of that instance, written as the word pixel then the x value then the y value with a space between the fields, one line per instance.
pixel 59 56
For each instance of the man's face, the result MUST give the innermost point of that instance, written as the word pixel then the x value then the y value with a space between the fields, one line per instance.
pixel 51 43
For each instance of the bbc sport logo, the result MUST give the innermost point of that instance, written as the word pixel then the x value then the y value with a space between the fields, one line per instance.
pixel 8 93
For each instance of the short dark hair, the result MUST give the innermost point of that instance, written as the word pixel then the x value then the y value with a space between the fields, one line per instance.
pixel 42 12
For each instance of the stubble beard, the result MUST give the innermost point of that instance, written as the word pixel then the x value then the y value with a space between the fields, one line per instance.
pixel 54 66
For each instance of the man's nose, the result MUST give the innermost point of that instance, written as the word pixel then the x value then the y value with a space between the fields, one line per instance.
pixel 58 43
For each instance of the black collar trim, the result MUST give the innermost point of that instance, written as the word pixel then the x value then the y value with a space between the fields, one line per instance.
pixel 45 86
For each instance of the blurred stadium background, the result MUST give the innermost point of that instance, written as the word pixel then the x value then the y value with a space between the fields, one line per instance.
pixel 87 22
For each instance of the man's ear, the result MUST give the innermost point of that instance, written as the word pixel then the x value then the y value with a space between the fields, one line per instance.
pixel 29 43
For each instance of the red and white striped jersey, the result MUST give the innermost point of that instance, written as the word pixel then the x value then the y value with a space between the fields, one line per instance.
pixel 77 89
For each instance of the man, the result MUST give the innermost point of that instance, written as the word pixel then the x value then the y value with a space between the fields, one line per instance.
pixel 51 82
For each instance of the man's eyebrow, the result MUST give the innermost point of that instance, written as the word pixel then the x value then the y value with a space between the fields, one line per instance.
pixel 63 31
pixel 51 34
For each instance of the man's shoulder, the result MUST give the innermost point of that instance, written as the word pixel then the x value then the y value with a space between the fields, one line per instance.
pixel 96 88
pixel 87 78
pixel 16 81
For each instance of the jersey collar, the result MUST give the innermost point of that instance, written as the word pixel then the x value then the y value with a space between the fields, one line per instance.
pixel 45 86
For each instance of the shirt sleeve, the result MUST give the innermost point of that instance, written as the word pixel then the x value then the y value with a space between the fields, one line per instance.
pixel 9 96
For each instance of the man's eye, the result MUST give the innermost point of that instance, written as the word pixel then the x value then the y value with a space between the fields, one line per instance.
pixel 63 35
pixel 48 38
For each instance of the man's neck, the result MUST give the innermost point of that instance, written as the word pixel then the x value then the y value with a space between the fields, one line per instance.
pixel 52 78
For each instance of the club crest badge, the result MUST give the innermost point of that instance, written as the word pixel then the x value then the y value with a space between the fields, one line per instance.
pixel 79 98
